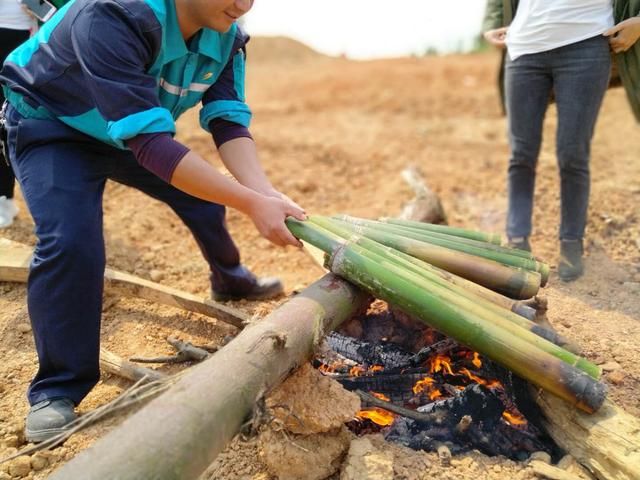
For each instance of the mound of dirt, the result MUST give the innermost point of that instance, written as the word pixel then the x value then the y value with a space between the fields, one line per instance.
pixel 281 49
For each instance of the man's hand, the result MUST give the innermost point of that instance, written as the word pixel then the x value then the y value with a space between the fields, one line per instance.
pixel 272 192
pixel 269 214
pixel 496 37
pixel 624 35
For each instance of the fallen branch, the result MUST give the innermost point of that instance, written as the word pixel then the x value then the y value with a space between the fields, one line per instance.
pixel 426 206
pixel 111 363
pixel 187 352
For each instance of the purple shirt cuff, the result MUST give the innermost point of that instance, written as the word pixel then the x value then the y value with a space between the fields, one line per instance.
pixel 224 130
pixel 157 152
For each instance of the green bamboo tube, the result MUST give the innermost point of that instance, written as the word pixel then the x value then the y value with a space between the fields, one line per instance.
pixel 505 257
pixel 476 288
pixel 422 233
pixel 468 288
pixel 512 282
pixel 458 232
pixel 454 295
pixel 389 283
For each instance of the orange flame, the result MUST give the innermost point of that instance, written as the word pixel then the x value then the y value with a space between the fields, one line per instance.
pixel 481 381
pixel 476 360
pixel 435 394
pixel 441 362
pixel 514 418
pixel 377 416
pixel 422 385
pixel 376 368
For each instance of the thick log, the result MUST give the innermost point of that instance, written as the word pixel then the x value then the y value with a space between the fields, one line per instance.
pixel 14 267
pixel 606 442
pixel 180 433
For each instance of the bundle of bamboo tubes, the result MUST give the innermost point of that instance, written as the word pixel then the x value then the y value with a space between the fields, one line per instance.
pixel 458 282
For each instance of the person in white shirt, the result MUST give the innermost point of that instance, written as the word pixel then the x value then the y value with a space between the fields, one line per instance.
pixel 554 49
pixel 16 26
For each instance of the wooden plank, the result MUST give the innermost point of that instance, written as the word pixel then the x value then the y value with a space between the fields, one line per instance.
pixel 14 267
pixel 14 261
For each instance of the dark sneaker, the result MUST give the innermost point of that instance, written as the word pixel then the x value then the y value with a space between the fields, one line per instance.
pixel 49 418
pixel 264 288
pixel 570 265
pixel 521 243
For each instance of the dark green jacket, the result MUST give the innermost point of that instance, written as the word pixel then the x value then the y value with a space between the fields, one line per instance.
pixel 500 13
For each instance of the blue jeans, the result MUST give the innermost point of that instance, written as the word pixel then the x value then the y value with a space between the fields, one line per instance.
pixel 62 174
pixel 577 75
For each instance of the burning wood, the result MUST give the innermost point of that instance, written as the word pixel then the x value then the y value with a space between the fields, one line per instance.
pixel 454 395
pixel 383 355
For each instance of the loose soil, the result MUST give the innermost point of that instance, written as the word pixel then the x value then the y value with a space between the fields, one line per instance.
pixel 334 135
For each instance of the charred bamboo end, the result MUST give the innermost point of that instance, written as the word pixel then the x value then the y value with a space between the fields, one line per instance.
pixel 523 310
pixel 587 393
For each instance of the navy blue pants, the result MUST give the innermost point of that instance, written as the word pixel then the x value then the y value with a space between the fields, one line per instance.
pixel 62 174
pixel 578 75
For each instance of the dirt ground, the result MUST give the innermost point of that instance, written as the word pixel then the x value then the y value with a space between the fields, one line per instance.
pixel 334 135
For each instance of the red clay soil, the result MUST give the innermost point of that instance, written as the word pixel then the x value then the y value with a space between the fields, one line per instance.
pixel 334 135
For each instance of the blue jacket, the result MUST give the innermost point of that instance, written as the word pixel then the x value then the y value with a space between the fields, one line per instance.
pixel 114 69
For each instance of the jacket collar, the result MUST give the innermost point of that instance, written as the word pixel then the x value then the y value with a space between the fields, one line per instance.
pixel 206 41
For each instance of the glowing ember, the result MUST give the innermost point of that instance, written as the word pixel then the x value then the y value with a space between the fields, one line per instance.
pixel 441 362
pixel 514 418
pixel 422 385
pixel 476 360
pixel 376 368
pixel 429 337
pixel 377 415
pixel 328 369
pixel 357 371
pixel 381 396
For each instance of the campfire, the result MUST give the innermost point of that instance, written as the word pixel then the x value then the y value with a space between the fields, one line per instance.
pixel 426 391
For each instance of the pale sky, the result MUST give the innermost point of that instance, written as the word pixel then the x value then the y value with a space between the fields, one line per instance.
pixel 370 28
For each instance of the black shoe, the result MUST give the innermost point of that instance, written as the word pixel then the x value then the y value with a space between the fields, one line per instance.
pixel 264 288
pixel 49 418
pixel 521 243
pixel 570 265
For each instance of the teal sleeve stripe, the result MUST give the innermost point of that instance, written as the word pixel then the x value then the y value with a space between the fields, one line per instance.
pixel 154 120
pixel 21 55
pixel 26 110
pixel 230 110
pixel 238 75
